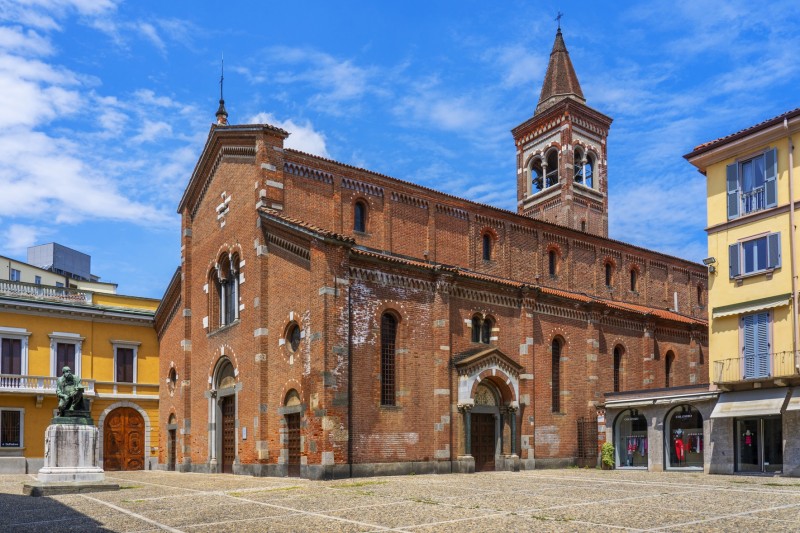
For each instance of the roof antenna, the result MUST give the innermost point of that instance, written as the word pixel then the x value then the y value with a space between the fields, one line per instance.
pixel 222 114
pixel 558 19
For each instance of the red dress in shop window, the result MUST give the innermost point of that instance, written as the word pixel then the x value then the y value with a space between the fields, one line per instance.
pixel 679 449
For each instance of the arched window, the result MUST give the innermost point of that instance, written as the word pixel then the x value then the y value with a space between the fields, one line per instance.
pixel 583 225
pixel 482 329
pixel 587 171
pixel 609 275
pixel 487 246
pixel 556 375
pixel 537 176
pixel 669 368
pixel 388 339
pixel 618 368
pixel 634 279
pixel 476 328
pixel 486 330
pixel 360 217
pixel 552 259
pixel 700 302
pixel 552 169
pixel 226 290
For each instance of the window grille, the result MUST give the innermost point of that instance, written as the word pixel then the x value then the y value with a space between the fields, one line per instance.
pixel 388 338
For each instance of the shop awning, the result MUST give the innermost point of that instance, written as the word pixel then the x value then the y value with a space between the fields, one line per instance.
pixel 759 402
pixel 752 306
pixel 794 401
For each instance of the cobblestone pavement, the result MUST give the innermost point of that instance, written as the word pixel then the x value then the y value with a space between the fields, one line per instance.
pixel 542 500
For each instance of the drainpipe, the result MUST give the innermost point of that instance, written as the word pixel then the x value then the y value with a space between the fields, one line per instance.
pixel 792 246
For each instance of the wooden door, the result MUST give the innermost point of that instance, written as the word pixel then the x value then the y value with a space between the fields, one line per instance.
pixel 228 407
pixel 293 443
pixel 173 454
pixel 483 441
pixel 123 440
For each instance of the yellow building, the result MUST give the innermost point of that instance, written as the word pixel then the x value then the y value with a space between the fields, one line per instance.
pixel 753 337
pixel 108 340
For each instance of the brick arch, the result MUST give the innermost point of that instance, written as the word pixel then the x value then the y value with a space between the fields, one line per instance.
pixel 500 380
pixel 289 385
pixel 223 352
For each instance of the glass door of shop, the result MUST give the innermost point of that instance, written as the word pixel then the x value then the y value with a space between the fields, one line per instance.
pixel 759 445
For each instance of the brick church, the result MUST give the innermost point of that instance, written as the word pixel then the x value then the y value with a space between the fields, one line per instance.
pixel 330 321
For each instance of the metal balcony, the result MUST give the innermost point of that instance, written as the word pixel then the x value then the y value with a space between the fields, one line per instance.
pixel 754 200
pixel 757 367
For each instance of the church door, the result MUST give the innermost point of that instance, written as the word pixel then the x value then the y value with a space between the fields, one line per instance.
pixel 228 407
pixel 172 458
pixel 293 443
pixel 123 440
pixel 483 441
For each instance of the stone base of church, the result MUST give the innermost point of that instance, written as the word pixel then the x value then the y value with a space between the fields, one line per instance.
pixel 507 463
pixel 70 455
pixel 39 488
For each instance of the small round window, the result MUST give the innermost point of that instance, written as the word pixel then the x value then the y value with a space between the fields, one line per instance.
pixel 293 337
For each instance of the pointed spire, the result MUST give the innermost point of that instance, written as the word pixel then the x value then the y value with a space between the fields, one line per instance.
pixel 222 113
pixel 560 81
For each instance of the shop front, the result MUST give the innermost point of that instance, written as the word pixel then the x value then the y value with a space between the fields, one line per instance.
pixel 750 425
pixel 664 429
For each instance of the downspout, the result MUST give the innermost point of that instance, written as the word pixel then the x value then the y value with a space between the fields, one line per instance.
pixel 792 246
pixel 350 377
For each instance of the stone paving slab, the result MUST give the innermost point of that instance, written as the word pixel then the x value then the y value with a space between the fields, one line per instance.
pixel 545 500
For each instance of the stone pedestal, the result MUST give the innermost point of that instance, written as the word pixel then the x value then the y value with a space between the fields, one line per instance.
pixel 70 454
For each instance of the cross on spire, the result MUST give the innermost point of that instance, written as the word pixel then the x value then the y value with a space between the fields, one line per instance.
pixel 558 19
pixel 222 113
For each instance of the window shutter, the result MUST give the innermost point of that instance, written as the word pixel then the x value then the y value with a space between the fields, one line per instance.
pixel 762 342
pixel 733 190
pixel 774 250
pixel 771 181
pixel 749 348
pixel 733 255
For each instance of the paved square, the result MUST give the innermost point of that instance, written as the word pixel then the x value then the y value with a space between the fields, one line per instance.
pixel 549 500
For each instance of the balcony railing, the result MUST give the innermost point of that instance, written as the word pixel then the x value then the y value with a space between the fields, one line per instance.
pixel 43 292
pixel 754 200
pixel 755 367
pixel 37 384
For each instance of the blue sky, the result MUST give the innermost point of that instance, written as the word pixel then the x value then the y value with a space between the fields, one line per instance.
pixel 108 104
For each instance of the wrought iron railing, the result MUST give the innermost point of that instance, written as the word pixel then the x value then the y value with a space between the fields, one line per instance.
pixel 44 292
pixel 754 200
pixel 756 366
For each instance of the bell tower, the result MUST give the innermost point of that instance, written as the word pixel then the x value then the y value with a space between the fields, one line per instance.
pixel 561 153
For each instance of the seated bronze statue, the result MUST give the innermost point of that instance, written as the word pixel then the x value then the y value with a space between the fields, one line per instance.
pixel 70 393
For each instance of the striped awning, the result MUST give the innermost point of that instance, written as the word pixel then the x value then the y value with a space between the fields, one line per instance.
pixel 751 306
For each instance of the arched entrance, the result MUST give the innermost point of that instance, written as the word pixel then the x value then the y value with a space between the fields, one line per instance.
pixel 172 442
pixel 224 413
pixel 123 440
pixel 293 413
pixel 484 431
pixel 684 442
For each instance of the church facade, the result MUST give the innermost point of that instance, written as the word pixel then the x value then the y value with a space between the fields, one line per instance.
pixel 330 321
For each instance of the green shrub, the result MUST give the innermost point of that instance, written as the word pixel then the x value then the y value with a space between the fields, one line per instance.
pixel 607 455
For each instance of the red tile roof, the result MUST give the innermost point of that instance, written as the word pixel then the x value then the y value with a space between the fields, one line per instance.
pixel 699 149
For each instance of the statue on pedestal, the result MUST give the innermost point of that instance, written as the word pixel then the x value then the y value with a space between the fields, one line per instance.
pixel 72 408
pixel 70 392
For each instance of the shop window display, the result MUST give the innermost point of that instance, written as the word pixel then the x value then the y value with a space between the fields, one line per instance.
pixel 631 439
pixel 685 443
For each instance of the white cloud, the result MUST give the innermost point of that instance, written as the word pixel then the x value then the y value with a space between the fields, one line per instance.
pixel 151 34
pixel 18 237
pixel 303 135
pixel 151 131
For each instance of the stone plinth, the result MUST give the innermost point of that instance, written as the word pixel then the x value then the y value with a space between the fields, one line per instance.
pixel 70 454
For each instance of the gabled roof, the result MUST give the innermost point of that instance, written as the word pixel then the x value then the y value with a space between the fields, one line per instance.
pixel 560 80
pixel 475 356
